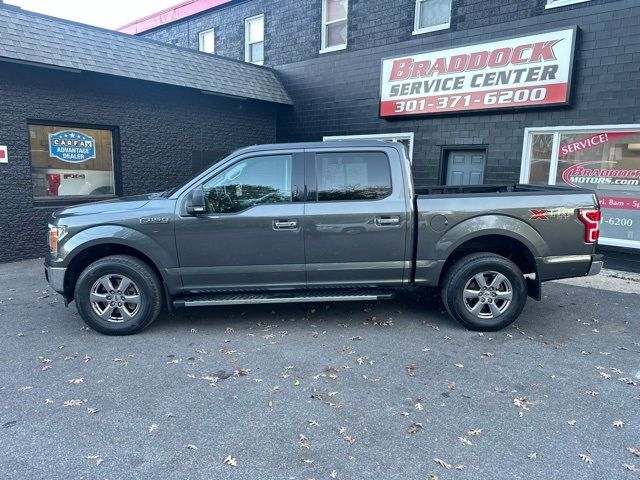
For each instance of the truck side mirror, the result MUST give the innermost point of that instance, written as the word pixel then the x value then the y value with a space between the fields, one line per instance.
pixel 196 203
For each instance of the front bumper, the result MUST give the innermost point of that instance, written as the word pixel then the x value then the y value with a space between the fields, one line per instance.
pixel 55 277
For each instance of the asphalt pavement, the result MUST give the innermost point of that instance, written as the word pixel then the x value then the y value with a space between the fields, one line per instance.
pixel 395 390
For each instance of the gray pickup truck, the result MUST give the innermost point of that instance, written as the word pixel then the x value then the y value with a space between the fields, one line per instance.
pixel 319 222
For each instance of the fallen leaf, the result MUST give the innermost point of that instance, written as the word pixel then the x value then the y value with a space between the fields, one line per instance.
pixel 73 403
pixel 230 461
pixel 153 428
pixel 442 463
pixel 532 456
pixel 411 370
pixel 592 393
pixel 459 365
pixel 76 381
pixel 586 459
pixel 631 468
pixel 475 432
pixel 92 410
pixel 635 451
pixel 487 354
pixel 414 428
pixel 465 441
pixel 191 447
pixel 571 422
pixel 333 474
pixel 522 403
pixel 313 423
pixel 618 424
pixel 303 442
pixel 96 458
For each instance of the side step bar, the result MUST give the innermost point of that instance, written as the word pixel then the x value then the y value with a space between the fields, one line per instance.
pixel 211 299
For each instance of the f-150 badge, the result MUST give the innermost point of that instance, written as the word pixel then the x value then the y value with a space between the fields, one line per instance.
pixel 154 220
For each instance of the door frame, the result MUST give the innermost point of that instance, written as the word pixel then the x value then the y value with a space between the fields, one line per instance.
pixel 444 159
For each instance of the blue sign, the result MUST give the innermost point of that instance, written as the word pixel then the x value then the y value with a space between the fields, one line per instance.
pixel 72 146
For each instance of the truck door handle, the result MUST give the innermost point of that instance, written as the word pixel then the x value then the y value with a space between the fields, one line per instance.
pixel 285 224
pixel 387 221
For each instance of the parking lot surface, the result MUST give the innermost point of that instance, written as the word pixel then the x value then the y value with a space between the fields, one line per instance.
pixel 347 391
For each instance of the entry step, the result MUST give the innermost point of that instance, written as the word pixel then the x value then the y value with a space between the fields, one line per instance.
pixel 210 299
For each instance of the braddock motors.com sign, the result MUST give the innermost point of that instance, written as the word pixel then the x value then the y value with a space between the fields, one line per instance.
pixel 519 72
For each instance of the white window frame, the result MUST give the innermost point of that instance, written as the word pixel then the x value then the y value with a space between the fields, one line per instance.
pixel 201 36
pixel 434 28
pixel 562 3
pixel 387 137
pixel 525 168
pixel 247 50
pixel 325 24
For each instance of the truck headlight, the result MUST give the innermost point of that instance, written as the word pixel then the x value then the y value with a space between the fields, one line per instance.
pixel 56 233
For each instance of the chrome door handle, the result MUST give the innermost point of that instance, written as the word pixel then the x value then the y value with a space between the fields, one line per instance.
pixel 387 221
pixel 285 224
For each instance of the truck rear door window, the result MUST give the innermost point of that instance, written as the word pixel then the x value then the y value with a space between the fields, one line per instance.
pixel 353 176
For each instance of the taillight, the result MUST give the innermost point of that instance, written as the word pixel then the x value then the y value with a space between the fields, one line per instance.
pixel 53 184
pixel 591 219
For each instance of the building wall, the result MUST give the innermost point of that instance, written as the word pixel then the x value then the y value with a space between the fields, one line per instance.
pixel 161 129
pixel 338 93
pixel 293 27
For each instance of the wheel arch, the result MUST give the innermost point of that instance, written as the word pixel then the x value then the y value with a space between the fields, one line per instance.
pixel 85 257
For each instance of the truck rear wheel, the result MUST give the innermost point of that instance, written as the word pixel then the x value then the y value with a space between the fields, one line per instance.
pixel 484 291
pixel 118 295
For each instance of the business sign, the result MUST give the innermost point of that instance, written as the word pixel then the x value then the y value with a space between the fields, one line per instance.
pixel 72 146
pixel 4 156
pixel 519 72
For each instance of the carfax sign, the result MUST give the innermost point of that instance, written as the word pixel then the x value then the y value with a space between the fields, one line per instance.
pixel 518 72
pixel 72 146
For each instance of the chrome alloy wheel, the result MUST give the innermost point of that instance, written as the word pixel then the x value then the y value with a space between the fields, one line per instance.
pixel 488 295
pixel 115 298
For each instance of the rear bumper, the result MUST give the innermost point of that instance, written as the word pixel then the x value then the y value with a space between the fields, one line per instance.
pixel 596 265
pixel 55 277
pixel 568 266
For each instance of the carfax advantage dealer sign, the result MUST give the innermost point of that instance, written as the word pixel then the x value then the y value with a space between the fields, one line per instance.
pixel 518 72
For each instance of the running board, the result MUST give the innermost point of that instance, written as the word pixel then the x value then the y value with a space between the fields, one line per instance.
pixel 210 299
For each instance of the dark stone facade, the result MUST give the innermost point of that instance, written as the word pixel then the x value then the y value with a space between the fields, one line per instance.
pixel 165 133
pixel 338 93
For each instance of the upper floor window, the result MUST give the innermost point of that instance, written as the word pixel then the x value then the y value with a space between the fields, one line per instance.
pixel 562 3
pixel 207 41
pixel 334 25
pixel 432 15
pixel 254 40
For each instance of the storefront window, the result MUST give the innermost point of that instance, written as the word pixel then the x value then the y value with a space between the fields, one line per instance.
pixel 604 160
pixel 69 162
pixel 541 155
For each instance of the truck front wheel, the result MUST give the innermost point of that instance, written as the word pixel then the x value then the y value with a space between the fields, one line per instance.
pixel 484 291
pixel 118 295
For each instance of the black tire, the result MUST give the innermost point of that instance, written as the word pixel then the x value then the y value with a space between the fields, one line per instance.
pixel 135 316
pixel 459 301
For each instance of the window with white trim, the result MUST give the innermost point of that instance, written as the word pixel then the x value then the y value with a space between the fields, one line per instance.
pixel 334 25
pixel 207 41
pixel 254 40
pixel 432 15
pixel 562 3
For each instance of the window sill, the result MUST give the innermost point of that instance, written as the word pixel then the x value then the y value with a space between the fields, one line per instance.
pixel 336 48
pixel 435 28
pixel 563 3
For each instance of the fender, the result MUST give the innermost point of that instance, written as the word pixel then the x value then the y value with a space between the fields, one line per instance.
pixel 484 225
pixel 117 234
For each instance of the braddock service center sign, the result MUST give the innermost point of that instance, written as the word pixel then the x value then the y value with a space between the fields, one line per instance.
pixel 519 72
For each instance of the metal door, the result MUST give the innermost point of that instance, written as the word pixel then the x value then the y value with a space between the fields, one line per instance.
pixel 255 244
pixel 466 167
pixel 351 240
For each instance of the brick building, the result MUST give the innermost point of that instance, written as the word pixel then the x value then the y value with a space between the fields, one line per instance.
pixel 329 54
pixel 89 114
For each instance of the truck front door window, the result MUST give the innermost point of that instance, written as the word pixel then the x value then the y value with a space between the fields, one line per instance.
pixel 250 182
pixel 353 176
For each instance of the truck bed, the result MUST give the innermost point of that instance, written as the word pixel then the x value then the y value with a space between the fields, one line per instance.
pixel 494 189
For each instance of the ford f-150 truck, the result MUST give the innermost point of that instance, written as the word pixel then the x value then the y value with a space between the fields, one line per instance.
pixel 319 222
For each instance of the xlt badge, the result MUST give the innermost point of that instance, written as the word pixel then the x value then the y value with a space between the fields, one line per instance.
pixel 154 220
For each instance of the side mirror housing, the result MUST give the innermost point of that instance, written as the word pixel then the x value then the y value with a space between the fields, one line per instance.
pixel 196 204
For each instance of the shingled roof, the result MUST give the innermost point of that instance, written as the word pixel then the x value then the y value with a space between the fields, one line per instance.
pixel 40 39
